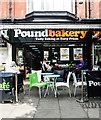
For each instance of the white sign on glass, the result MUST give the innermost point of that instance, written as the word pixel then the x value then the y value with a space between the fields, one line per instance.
pixel 77 53
pixel 64 54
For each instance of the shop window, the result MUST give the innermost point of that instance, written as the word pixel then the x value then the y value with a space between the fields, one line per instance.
pixel 19 57
pixel 97 54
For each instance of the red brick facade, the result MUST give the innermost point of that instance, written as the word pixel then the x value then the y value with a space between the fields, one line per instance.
pixel 83 9
pixel 18 8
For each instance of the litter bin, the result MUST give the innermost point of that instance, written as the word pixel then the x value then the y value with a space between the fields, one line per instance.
pixel 94 83
pixel 6 86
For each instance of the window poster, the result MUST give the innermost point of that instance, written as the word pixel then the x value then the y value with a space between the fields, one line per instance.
pixel 77 53
pixel 64 54
pixel 46 54
pixel 20 53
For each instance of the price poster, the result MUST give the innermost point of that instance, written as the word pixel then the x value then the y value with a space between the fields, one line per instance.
pixel 77 53
pixel 64 54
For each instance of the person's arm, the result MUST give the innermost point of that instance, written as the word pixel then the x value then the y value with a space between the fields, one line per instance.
pixel 82 64
pixel 47 66
pixel 76 65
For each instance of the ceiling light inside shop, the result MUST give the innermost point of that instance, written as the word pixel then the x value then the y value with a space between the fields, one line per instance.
pixel 36 50
pixel 32 46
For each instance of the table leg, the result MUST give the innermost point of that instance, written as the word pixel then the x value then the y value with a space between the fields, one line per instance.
pixel 46 91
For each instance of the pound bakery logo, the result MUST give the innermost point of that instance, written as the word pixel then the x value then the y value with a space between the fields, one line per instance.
pixel 49 33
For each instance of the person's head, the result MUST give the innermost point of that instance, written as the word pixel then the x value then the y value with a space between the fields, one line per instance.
pixel 44 60
pixel 47 63
pixel 81 60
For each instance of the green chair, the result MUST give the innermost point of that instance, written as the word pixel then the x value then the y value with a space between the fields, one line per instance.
pixel 34 82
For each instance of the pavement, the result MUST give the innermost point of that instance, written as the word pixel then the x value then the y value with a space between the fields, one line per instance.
pixel 50 107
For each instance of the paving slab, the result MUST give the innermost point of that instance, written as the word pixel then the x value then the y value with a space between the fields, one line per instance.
pixel 93 112
pixel 47 103
pixel 71 109
pixel 49 107
pixel 47 113
pixel 22 113
pixel 4 114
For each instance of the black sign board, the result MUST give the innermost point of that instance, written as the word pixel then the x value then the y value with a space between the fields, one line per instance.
pixel 48 35
pixel 26 35
pixel 94 83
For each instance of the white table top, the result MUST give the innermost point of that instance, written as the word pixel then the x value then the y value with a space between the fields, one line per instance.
pixel 52 75
pixel 47 73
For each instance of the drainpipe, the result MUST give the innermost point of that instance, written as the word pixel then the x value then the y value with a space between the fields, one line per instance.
pixel 85 8
pixel 76 8
pixel 89 9
pixel 10 9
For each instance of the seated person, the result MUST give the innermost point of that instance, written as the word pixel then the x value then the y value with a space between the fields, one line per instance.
pixel 81 65
pixel 49 67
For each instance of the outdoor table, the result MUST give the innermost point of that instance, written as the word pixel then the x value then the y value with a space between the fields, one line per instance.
pixel 47 73
pixel 48 82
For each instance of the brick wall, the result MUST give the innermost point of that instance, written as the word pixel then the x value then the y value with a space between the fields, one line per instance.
pixel 18 8
pixel 83 9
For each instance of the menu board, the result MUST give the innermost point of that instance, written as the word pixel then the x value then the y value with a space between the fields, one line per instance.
pixel 64 54
pixel 77 53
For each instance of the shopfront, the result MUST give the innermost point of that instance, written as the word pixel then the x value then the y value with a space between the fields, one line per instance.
pixel 57 44
pixel 60 44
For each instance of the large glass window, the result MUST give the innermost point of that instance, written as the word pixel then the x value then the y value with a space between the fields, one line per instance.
pixel 50 5
pixel 97 54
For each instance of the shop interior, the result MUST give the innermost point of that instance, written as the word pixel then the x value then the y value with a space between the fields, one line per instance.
pixel 31 55
pixel 97 54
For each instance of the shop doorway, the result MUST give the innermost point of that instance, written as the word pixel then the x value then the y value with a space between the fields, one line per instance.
pixel 33 56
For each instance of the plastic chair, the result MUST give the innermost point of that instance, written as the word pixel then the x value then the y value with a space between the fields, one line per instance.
pixel 77 83
pixel 61 73
pixel 63 84
pixel 38 74
pixel 34 82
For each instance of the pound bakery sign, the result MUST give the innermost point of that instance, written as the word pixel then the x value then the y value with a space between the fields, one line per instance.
pixel 50 34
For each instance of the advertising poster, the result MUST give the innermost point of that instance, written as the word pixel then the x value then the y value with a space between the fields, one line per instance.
pixel 77 53
pixel 64 54
pixel 46 54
